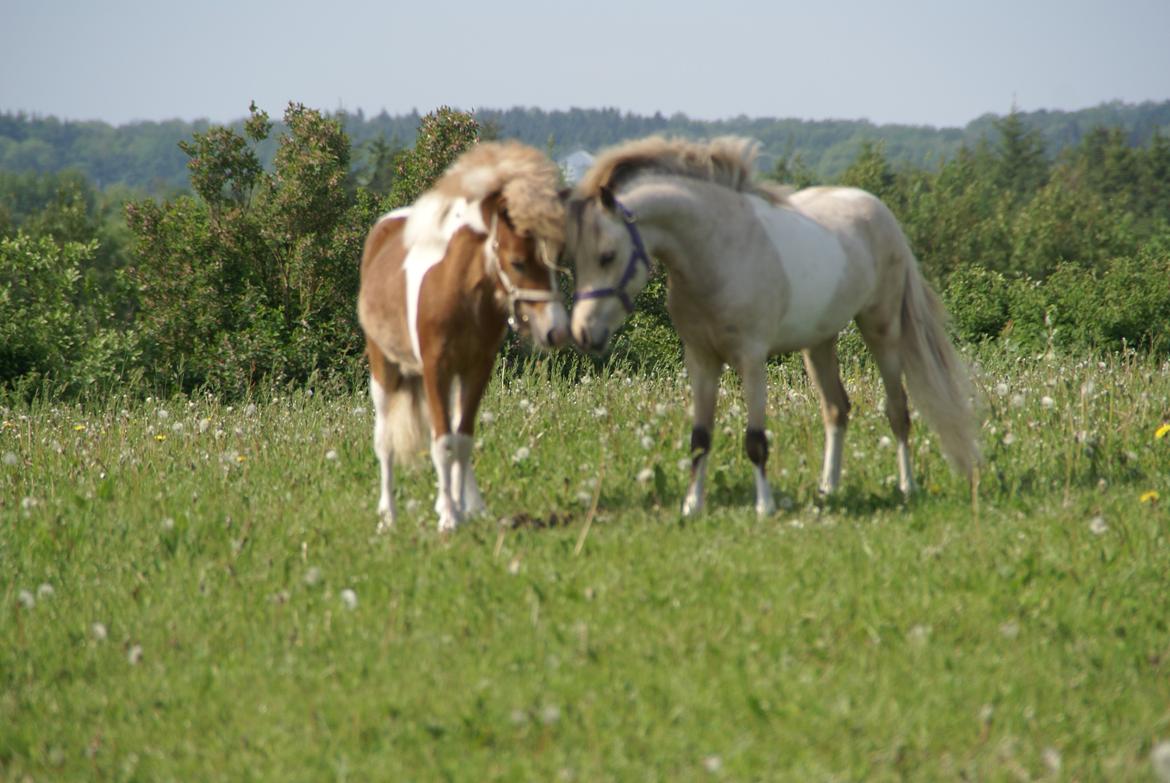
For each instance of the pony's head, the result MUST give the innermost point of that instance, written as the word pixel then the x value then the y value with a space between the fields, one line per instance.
pixel 611 266
pixel 523 217
pixel 523 268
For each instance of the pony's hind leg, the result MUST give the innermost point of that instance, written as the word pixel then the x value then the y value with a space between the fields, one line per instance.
pixel 382 374
pixel 704 370
pixel 821 363
pixel 897 408
pixel 754 374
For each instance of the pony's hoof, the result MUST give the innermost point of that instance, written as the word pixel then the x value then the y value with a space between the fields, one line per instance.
pixel 765 507
pixel 692 508
pixel 385 523
pixel 448 521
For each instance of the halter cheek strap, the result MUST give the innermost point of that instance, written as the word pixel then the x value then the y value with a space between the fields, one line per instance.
pixel 516 295
pixel 637 255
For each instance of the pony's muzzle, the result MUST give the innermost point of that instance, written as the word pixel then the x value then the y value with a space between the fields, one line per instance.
pixel 589 339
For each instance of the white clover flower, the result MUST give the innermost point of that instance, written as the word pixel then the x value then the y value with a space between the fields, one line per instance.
pixel 331 455
pixel 1052 760
pixel 884 442
pixel 520 455
pixel 550 714
pixel 525 404
pixel 1010 629
pixel 177 426
pixel 349 598
pixel 134 654
pixel 645 475
pixel 712 764
pixel 1047 401
pixel 164 414
pixel 599 412
pixel 28 502
pixel 313 576
pixel 660 409
pixel 45 591
pixel 1098 526
pixel 99 631
pixel 26 599
pixel 647 442
pixel 1008 439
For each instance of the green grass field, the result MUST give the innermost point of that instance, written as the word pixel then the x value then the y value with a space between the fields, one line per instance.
pixel 193 591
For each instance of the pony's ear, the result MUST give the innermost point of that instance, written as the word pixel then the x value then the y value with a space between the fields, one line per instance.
pixel 607 199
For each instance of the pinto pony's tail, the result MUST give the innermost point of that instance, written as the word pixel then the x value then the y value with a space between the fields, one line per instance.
pixel 936 376
pixel 408 425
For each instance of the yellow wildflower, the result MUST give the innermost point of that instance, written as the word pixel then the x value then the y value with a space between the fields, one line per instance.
pixel 1162 431
pixel 79 428
pixel 240 458
pixel 160 437
pixel 1150 497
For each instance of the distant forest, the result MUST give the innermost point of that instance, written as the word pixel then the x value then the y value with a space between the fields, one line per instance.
pixel 145 156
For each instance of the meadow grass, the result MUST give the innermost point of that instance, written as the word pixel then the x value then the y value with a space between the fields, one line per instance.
pixel 195 591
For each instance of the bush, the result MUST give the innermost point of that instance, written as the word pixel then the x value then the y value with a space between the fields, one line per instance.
pixel 58 330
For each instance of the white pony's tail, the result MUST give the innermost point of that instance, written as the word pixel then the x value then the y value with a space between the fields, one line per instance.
pixel 409 424
pixel 936 376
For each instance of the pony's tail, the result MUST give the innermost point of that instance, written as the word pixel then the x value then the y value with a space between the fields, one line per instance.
pixel 409 424
pixel 936 376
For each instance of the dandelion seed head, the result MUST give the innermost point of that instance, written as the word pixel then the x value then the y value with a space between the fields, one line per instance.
pixel 599 412
pixel 1052 760
pixel 29 502
pixel 884 442
pixel 331 455
pixel 10 458
pixel 26 599
pixel 45 590
pixel 312 576
pixel 660 409
pixel 1001 389
pixel 1008 438
pixel 1018 400
pixel 1098 526
pixel 134 654
pixel 250 410
pixel 1047 401
pixel 647 442
pixel 645 475
pixel 520 455
pixel 712 764
pixel 99 631
pixel 550 714
pixel 177 426
pixel 349 598
pixel 164 414
pixel 1160 760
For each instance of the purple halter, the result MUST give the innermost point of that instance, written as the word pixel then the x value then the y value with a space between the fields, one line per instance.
pixel 639 254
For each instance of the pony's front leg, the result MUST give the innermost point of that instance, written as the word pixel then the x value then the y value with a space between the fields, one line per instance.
pixel 755 393
pixel 446 448
pixel 387 512
pixel 704 371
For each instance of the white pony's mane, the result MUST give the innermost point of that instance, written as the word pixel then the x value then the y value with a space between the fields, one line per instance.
pixel 726 160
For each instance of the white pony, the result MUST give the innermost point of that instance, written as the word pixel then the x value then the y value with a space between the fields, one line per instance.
pixel 753 271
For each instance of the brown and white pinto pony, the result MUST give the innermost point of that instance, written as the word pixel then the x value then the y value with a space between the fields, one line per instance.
pixel 440 283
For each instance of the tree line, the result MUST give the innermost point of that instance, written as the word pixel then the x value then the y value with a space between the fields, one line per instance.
pixel 248 274
pixel 144 156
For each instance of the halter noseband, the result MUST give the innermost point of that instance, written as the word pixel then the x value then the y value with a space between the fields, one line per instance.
pixel 515 294
pixel 638 254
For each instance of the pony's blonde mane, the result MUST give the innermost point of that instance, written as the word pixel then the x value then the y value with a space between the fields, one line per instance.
pixel 726 160
pixel 526 179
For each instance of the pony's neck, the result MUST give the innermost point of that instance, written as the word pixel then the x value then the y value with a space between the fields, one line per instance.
pixel 673 221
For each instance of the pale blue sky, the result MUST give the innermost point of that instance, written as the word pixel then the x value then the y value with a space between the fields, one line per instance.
pixel 911 61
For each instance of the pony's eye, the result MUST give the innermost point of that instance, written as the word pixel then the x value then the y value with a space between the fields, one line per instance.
pixel 519 264
pixel 608 257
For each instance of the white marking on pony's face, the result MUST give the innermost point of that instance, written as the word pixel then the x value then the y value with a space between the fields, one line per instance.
pixel 548 322
pixel 602 250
